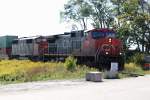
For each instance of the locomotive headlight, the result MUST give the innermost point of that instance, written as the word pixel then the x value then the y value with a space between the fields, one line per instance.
pixel 109 39
pixel 120 53
pixel 106 53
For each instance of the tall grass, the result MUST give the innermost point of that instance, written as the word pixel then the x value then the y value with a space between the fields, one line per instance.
pixel 134 64
pixel 12 71
pixel 131 69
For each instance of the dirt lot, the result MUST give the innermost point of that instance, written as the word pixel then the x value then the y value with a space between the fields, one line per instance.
pixel 124 89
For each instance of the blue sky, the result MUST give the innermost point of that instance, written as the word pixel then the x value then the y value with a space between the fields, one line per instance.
pixel 31 17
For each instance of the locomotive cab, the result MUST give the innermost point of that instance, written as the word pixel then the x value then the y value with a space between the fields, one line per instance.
pixel 103 45
pixel 106 43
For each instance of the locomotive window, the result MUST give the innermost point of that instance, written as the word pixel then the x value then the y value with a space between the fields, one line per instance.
pixel 15 42
pixel 110 34
pixel 29 41
pixel 96 35
pixel 73 34
pixel 51 40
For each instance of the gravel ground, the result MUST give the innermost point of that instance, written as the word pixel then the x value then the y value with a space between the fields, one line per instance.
pixel 118 89
pixel 41 85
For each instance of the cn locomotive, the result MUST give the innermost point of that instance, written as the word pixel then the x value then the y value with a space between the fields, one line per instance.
pixel 97 47
pixel 102 47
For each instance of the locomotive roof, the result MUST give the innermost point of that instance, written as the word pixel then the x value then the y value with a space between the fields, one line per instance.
pixel 58 36
pixel 27 38
pixel 102 30
pixel 65 34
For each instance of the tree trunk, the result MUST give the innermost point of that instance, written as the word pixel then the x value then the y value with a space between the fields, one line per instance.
pixel 84 24
pixel 143 42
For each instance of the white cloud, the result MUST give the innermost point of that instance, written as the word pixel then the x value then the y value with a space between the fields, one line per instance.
pixel 30 17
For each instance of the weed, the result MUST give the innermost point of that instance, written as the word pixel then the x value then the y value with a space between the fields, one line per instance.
pixel 12 71
pixel 70 63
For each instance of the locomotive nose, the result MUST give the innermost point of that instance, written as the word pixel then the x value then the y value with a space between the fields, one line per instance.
pixel 107 48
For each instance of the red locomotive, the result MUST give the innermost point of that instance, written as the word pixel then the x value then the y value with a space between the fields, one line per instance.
pixel 102 47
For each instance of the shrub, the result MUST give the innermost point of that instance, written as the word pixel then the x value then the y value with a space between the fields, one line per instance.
pixel 137 58
pixel 133 68
pixel 71 63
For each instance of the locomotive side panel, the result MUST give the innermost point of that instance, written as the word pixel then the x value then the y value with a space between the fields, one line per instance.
pixel 6 46
pixel 43 47
pixel 63 44
pixel 22 48
pixel 28 47
pixel 15 51
pixel 52 48
pixel 66 44
pixel 88 46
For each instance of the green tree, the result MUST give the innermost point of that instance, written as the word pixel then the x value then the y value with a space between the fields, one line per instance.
pixel 133 23
pixel 96 12
pixel 117 11
pixel 76 10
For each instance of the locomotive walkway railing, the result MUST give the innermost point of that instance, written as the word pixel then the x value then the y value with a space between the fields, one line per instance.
pixel 97 55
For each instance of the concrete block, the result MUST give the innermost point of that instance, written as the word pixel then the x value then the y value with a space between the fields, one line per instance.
pixel 94 76
pixel 111 74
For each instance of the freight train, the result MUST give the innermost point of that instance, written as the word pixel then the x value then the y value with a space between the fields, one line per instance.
pixel 97 47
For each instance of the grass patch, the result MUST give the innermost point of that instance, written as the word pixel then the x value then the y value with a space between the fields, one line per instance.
pixel 131 70
pixel 147 72
pixel 14 71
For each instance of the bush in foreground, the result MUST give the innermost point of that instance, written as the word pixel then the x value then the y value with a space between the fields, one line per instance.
pixel 71 63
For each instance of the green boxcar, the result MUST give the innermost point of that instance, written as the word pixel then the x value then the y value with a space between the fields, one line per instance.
pixel 6 41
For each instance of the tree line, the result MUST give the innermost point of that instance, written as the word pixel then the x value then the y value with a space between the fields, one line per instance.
pixel 130 18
